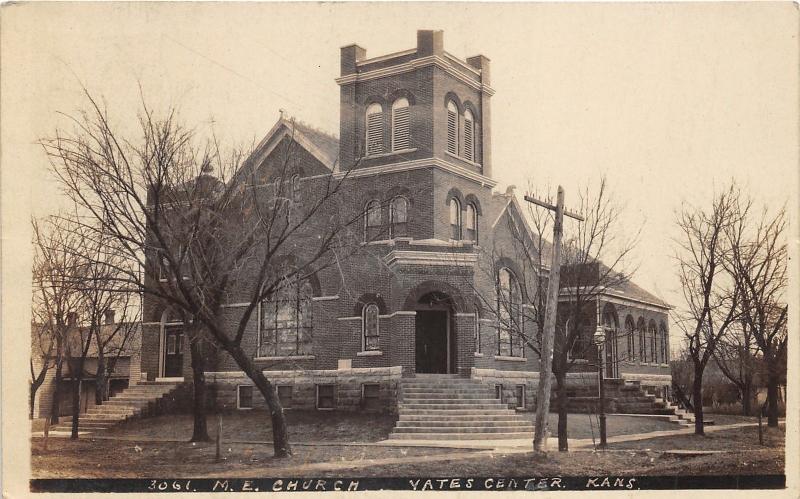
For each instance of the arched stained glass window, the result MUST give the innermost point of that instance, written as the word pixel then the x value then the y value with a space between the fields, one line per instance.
pixel 372 220
pixel 370 327
pixel 286 321
pixel 509 314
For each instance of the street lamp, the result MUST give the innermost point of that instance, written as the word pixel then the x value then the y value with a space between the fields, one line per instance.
pixel 600 338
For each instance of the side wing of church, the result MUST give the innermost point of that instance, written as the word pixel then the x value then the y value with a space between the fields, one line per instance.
pixel 437 290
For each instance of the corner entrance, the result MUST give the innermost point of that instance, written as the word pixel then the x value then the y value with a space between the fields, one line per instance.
pixel 432 327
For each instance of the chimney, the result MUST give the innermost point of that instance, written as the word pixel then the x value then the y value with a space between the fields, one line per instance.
pixel 109 316
pixel 72 319
pixel 430 42
pixel 350 55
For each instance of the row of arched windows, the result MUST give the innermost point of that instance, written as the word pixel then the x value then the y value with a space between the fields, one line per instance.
pixel 400 127
pixel 652 343
pixel 398 219
pixel 463 227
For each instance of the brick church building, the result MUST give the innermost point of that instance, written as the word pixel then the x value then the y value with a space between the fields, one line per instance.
pixel 415 143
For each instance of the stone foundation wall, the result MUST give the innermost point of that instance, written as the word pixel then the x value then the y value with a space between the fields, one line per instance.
pixel 348 388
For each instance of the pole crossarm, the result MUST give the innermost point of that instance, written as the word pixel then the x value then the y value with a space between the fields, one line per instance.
pixel 551 207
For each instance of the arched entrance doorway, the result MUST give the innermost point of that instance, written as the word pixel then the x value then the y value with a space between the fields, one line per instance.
pixel 434 334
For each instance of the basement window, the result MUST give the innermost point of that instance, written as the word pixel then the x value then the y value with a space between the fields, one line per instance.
pixel 520 392
pixel 325 397
pixel 498 392
pixel 370 396
pixel 244 397
pixel 285 396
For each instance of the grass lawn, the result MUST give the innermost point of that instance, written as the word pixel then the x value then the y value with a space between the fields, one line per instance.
pixel 255 425
pixel 586 425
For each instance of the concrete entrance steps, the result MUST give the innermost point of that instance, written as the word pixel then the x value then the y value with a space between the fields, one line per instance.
pixel 447 407
pixel 135 401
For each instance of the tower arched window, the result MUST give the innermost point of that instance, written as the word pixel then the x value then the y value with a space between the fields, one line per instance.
pixel 374 119
pixel 469 136
pixel 509 315
pixel 398 217
pixel 663 343
pixel 372 220
pixel 452 128
pixel 471 224
pixel 401 124
pixel 286 322
pixel 455 219
pixel 370 327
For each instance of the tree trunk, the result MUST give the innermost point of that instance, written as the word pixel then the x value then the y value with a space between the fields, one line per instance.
pixel 76 403
pixel 563 403
pixel 772 398
pixel 280 434
pixel 101 381
pixel 747 399
pixel 55 406
pixel 34 387
pixel 697 401
pixel 200 429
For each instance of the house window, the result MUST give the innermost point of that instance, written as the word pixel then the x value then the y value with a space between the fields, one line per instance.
pixel 398 217
pixel 244 397
pixel 630 340
pixel 469 136
pixel 455 219
pixel 664 352
pixel 374 129
pixel 577 349
pixel 520 393
pixel 370 396
pixel 401 126
pixel 472 224
pixel 285 396
pixel 509 326
pixel 370 327
pixel 325 397
pixel 452 128
pixel 372 220
pixel 286 324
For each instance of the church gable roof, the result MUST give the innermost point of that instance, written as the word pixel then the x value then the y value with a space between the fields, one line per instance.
pixel 323 147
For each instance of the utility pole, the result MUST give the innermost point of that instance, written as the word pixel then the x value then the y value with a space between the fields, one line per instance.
pixel 548 335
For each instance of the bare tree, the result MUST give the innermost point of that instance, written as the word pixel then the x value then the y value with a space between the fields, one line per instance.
pixel 56 301
pixel 42 347
pixel 738 357
pixel 757 261
pixel 113 339
pixel 711 297
pixel 205 226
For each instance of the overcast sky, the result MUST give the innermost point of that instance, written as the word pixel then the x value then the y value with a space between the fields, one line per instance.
pixel 668 101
